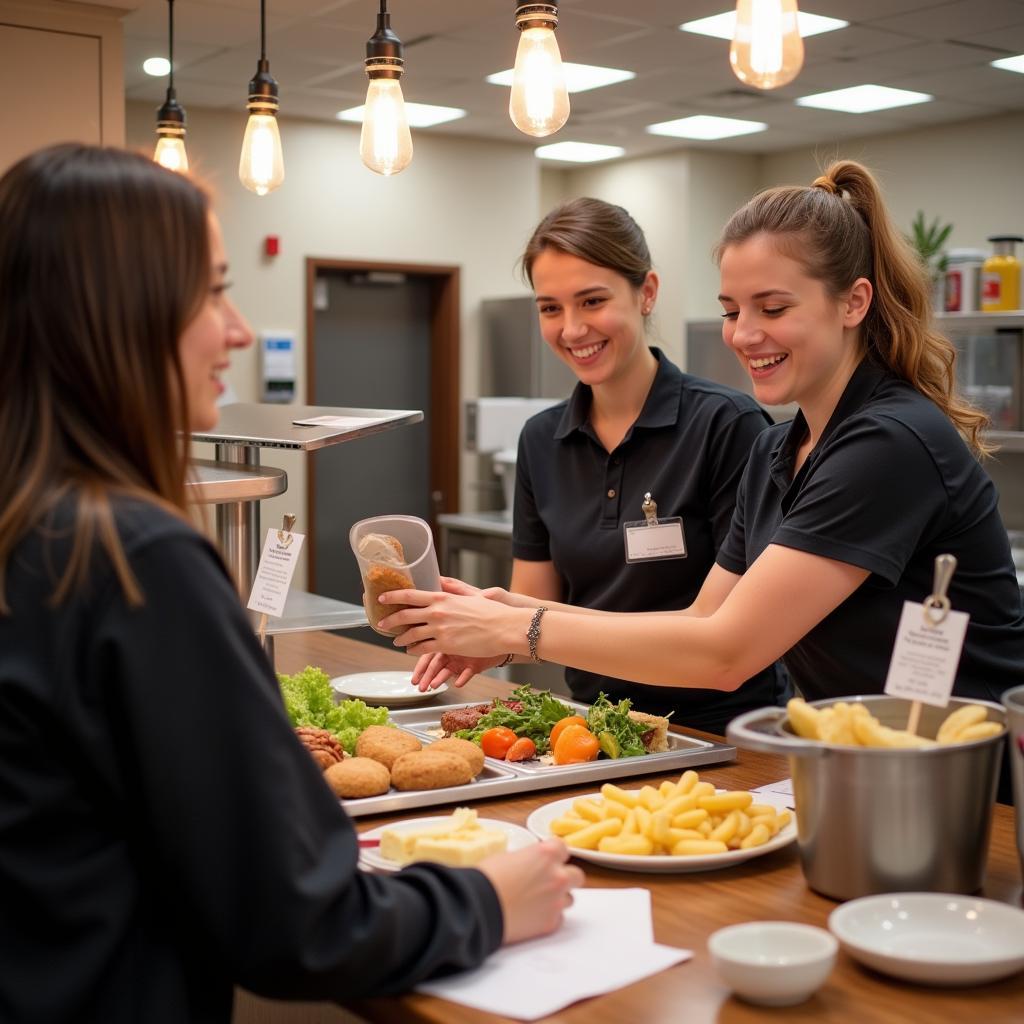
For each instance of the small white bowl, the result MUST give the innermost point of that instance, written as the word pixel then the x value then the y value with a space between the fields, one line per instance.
pixel 933 938
pixel 773 963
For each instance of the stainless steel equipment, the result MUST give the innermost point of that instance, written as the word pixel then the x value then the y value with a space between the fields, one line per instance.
pixel 1013 701
pixel 873 820
pixel 514 358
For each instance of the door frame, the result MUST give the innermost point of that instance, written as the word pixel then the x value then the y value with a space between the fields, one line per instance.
pixel 445 348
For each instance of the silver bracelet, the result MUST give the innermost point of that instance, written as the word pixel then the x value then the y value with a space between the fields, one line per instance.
pixel 533 633
pixel 505 661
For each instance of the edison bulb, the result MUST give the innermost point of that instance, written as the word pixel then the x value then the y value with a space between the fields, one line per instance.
pixel 170 153
pixel 385 143
pixel 539 104
pixel 261 167
pixel 766 50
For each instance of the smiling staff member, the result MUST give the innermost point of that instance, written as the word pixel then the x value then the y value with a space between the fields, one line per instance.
pixel 634 425
pixel 841 513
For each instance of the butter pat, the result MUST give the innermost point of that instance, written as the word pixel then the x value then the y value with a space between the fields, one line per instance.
pixel 458 841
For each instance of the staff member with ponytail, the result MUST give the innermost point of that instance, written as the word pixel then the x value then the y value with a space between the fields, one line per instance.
pixel 840 513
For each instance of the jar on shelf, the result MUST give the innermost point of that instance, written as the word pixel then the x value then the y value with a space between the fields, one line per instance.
pixel 1000 276
pixel 962 293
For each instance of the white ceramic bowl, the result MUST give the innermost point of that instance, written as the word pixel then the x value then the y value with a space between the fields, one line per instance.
pixel 774 963
pixel 932 938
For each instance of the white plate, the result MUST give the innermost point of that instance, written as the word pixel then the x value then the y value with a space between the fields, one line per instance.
pixel 933 938
pixel 518 837
pixel 539 823
pixel 392 689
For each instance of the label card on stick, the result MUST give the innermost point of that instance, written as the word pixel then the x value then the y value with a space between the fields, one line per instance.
pixel 275 572
pixel 926 655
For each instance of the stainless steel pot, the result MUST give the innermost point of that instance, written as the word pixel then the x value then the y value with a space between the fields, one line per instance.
pixel 872 820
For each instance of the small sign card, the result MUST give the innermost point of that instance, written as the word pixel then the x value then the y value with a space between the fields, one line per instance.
pixel 341 422
pixel 926 655
pixel 275 572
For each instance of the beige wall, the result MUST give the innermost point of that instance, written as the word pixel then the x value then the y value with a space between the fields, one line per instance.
pixel 460 202
pixel 967 173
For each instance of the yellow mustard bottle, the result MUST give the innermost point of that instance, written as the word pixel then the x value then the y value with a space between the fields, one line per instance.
pixel 1000 276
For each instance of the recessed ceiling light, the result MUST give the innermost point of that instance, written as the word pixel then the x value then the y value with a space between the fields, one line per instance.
pixel 862 99
pixel 578 77
pixel 158 67
pixel 703 126
pixel 723 26
pixel 1010 63
pixel 420 115
pixel 578 152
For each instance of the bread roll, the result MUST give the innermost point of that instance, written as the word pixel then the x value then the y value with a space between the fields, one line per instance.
pixel 386 556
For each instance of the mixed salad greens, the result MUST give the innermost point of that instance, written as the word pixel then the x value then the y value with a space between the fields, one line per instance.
pixel 618 734
pixel 309 700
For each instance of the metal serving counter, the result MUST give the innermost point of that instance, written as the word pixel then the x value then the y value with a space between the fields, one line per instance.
pixel 236 483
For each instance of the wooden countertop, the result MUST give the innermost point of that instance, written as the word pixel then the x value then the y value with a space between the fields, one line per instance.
pixel 689 907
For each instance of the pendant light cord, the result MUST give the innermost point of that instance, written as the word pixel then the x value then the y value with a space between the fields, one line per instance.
pixel 170 43
pixel 263 30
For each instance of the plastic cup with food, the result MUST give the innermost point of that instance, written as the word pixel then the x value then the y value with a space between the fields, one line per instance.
pixel 394 553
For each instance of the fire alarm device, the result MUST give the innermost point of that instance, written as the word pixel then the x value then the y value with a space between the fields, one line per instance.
pixel 277 358
pixel 271 245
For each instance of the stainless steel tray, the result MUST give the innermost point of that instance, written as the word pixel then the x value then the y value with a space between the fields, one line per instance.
pixel 501 778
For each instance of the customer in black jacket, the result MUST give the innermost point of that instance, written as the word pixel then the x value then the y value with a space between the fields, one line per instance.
pixel 163 834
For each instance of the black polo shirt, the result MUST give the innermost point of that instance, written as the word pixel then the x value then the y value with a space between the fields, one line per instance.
pixel 889 485
pixel 688 448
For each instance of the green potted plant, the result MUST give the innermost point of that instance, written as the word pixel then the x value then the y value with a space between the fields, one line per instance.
pixel 928 240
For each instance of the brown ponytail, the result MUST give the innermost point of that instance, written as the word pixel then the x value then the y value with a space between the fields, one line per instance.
pixel 840 230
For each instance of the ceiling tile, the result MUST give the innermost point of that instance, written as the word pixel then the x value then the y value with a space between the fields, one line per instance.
pixel 949 21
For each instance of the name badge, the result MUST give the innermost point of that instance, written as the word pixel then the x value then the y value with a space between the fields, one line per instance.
pixel 648 543
pixel 926 655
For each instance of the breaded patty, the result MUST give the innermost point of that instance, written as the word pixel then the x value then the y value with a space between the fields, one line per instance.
pixel 385 744
pixel 430 769
pixel 357 777
pixel 464 748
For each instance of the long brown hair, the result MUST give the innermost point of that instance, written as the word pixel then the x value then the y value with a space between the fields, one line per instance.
pixel 104 259
pixel 595 231
pixel 838 229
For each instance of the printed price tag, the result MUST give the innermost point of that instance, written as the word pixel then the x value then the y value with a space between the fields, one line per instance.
pixel 926 655
pixel 645 543
pixel 275 572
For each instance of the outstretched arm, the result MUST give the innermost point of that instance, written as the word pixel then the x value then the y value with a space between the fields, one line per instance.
pixel 733 631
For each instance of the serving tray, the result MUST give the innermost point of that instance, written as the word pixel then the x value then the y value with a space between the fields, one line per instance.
pixel 500 778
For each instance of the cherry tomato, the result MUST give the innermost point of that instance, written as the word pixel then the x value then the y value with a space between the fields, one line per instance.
pixel 496 742
pixel 576 745
pixel 562 724
pixel 522 750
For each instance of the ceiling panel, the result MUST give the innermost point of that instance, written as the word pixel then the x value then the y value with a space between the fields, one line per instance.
pixel 947 21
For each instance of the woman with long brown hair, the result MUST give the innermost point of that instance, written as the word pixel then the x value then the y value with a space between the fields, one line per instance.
pixel 840 514
pixel 163 834
pixel 634 425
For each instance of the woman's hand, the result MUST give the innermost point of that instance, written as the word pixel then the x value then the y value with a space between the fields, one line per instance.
pixel 451 585
pixel 534 886
pixel 434 669
pixel 473 627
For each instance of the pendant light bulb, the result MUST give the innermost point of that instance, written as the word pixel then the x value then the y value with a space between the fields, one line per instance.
pixel 385 143
pixel 170 152
pixel 539 104
pixel 170 118
pixel 261 166
pixel 767 50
